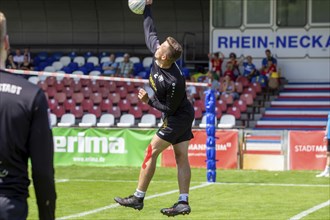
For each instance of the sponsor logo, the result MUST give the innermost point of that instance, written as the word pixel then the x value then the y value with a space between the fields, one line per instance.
pixel 310 148
pixel 83 144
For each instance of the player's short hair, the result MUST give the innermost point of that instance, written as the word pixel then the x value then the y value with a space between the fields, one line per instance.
pixel 3 29
pixel 175 49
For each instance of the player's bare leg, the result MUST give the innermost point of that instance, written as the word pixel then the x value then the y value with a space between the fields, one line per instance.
pixel 184 175
pixel 147 171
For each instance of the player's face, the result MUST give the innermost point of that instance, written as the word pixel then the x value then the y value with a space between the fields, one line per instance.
pixel 161 51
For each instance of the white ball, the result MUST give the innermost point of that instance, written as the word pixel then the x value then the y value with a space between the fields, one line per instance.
pixel 137 6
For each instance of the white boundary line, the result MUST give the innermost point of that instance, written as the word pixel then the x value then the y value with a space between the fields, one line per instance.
pixel 216 183
pixel 311 210
pixel 108 78
pixel 116 205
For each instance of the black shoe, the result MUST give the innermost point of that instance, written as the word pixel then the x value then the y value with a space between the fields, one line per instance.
pixel 131 201
pixel 180 208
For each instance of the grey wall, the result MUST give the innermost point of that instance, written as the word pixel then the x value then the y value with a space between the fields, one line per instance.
pixel 49 23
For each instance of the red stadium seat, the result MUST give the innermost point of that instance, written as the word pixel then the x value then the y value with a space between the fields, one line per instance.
pixel 76 85
pixel 244 80
pixel 87 92
pixel 51 91
pixel 250 90
pixel 104 92
pixel 52 103
pixel 85 82
pixel 132 98
pixel 69 104
pixel 87 104
pixel 77 111
pixel 105 105
pixel 114 97
pixel 136 111
pixel 198 113
pixel 228 98
pixel 50 80
pixel 68 92
pixel 96 110
pixel 124 105
pixel 59 86
pixel 241 105
pixel 130 87
pixel 60 97
pixel 218 112
pixel 59 111
pixel 199 104
pixel 115 110
pixel 96 98
pixel 78 97
pixel 232 110
pixel 238 87
pixel 257 87
pixel 67 81
pixel 222 105
pixel 248 98
pixel 122 92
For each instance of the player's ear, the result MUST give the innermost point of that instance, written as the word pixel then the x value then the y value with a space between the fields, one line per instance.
pixel 164 57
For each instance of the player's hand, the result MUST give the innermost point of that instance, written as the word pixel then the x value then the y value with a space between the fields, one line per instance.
pixel 148 2
pixel 143 96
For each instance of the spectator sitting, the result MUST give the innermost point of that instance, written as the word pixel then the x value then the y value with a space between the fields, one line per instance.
pixel 216 60
pixel 269 69
pixel 249 68
pixel 125 67
pixel 10 64
pixel 26 65
pixel 28 54
pixel 228 87
pixel 229 71
pixel 18 58
pixel 234 64
pixel 265 60
pixel 110 67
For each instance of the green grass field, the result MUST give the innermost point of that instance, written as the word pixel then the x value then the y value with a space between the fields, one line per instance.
pixel 88 192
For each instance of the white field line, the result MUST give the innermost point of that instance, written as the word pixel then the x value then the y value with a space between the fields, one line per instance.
pixel 174 181
pixel 311 210
pixel 116 205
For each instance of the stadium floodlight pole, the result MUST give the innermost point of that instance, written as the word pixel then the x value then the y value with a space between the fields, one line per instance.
pixel 210 132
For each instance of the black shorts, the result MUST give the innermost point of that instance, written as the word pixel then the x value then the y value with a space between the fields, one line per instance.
pixel 328 148
pixel 177 128
pixel 13 208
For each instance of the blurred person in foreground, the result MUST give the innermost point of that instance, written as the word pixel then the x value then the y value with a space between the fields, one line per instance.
pixel 326 171
pixel 25 134
pixel 168 84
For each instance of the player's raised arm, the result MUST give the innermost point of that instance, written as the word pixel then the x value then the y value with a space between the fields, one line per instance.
pixel 150 32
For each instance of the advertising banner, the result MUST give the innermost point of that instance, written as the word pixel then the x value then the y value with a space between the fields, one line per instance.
pixel 307 150
pixel 101 147
pixel 226 150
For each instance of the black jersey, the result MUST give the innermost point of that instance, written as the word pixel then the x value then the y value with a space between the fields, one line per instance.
pixel 25 133
pixel 168 84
